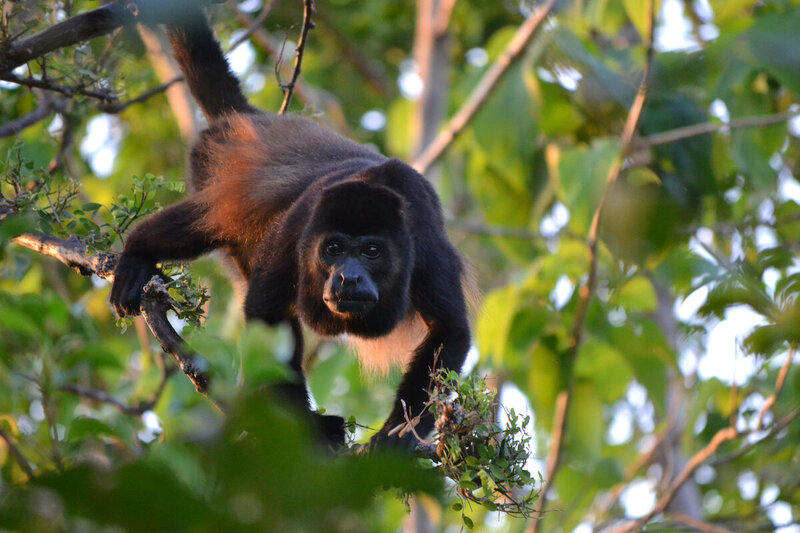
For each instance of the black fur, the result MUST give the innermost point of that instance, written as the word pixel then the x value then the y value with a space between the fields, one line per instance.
pixel 274 192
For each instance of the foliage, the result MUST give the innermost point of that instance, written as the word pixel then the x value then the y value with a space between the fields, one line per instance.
pixel 485 457
pixel 690 326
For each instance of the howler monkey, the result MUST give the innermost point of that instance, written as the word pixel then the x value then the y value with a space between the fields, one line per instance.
pixel 325 232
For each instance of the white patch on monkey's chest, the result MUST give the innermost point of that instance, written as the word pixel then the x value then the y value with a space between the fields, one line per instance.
pixel 395 349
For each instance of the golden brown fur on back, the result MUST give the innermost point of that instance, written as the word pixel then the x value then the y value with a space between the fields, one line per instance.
pixel 257 164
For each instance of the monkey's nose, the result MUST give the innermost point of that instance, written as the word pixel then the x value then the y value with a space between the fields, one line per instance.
pixel 351 281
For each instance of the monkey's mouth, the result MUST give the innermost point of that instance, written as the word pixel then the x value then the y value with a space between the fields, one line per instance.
pixel 350 305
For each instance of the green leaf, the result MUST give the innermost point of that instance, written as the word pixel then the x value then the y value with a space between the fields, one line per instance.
pixel 787 216
pixel 774 41
pixel 637 294
pixel 730 10
pixel 588 424
pixel 583 173
pixel 468 484
pixel 83 427
pixel 637 12
pixel 494 322
pixel 603 365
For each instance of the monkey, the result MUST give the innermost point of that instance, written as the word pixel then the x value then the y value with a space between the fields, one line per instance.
pixel 326 233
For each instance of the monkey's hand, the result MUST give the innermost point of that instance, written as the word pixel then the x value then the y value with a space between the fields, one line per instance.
pixel 130 277
pixel 331 427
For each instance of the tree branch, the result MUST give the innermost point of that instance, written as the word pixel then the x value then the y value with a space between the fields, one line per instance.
pixel 91 24
pixel 483 90
pixel 698 525
pixel 586 292
pixel 769 402
pixel 119 107
pixel 104 397
pixel 47 85
pixel 313 97
pixel 308 25
pixel 18 457
pixel 155 301
pixel 73 30
pixel 27 120
pixel 722 436
pixel 687 132
pixel 253 26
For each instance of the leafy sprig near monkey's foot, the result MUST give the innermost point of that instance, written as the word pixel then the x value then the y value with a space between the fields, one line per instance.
pixel 486 459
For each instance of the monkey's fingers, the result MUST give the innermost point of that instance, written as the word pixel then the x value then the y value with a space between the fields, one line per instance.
pixel 130 278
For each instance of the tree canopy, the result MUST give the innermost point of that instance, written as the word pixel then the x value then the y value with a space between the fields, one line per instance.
pixel 622 176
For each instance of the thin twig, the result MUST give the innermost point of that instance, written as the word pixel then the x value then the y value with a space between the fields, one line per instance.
pixel 104 397
pixel 118 107
pixel 722 436
pixel 18 456
pixel 699 525
pixel 47 85
pixel 484 89
pixel 27 120
pixel 254 26
pixel 686 132
pixel 775 428
pixel 585 293
pixel 769 402
pixel 313 97
pixel 308 25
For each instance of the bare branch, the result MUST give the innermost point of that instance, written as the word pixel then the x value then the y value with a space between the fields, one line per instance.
pixel 769 402
pixel 313 97
pixel 586 292
pixel 698 525
pixel 155 301
pixel 722 436
pixel 72 252
pixel 104 397
pixel 47 85
pixel 119 107
pixel 687 132
pixel 73 30
pixel 18 457
pixel 91 24
pixel 253 26
pixel 27 120
pixel 484 89
pixel 775 428
pixel 308 25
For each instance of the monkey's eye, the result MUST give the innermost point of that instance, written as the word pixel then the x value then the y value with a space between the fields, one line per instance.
pixel 333 248
pixel 371 250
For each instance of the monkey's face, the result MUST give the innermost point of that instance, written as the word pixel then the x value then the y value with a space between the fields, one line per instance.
pixel 355 268
pixel 355 284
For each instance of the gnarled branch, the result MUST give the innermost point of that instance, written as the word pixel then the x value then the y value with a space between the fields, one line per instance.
pixel 155 301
